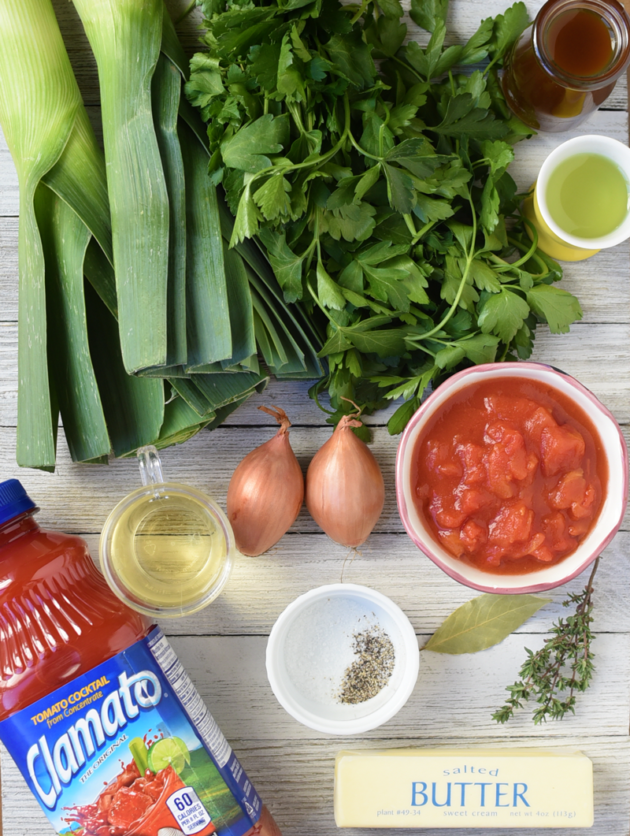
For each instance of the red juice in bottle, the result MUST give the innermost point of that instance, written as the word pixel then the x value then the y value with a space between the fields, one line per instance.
pixel 95 708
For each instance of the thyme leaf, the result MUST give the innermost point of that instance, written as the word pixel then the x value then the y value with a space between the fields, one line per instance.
pixel 563 668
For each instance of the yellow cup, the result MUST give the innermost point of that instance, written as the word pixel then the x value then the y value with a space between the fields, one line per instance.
pixel 552 239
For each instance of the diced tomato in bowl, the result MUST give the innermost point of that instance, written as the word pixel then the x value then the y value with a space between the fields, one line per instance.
pixel 512 477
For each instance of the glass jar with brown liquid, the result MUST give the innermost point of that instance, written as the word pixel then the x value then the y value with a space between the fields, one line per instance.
pixel 565 65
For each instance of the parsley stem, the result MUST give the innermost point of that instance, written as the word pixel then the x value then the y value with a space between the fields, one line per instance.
pixel 408 67
pixel 423 231
pixel 510 265
pixel 469 260
pixel 410 225
pixel 534 256
pixel 297 118
pixel 316 390
pixel 320 306
pixel 309 249
pixel 358 14
pixel 358 147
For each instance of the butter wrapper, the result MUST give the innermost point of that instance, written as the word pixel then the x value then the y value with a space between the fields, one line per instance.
pixel 481 788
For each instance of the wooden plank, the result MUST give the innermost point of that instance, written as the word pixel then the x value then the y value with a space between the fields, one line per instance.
pixel 600 283
pixel 260 588
pixel 230 675
pixel 296 783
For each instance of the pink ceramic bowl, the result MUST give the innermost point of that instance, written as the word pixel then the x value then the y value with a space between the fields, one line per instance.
pixel 599 537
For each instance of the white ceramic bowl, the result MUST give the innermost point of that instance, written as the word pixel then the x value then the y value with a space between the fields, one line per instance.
pixel 606 146
pixel 601 534
pixel 310 647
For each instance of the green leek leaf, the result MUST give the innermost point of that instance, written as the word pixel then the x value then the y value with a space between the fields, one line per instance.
pixel 125 37
pixel 39 100
pixel 208 321
pixel 65 238
pixel 166 92
pixel 133 406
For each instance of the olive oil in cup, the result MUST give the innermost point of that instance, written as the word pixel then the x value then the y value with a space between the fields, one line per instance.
pixel 166 549
pixel 581 200
pixel 587 195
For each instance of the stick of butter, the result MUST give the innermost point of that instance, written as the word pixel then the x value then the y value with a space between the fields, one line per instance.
pixel 463 788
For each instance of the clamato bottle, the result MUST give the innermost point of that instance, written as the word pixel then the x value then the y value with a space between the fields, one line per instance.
pixel 95 708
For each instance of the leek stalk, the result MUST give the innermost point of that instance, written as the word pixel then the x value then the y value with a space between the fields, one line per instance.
pixel 52 142
pixel 166 94
pixel 65 239
pixel 125 36
pixel 39 100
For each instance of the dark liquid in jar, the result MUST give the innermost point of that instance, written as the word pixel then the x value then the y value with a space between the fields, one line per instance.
pixel 554 86
pixel 579 42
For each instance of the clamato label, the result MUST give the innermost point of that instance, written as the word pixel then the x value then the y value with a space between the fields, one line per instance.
pixel 130 749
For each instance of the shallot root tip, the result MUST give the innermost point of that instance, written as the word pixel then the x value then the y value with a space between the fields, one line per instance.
pixel 348 421
pixel 280 415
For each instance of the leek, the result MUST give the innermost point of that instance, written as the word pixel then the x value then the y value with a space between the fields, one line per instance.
pixel 133 406
pixel 241 311
pixel 206 291
pixel 39 100
pixel 52 142
pixel 181 422
pixel 65 239
pixel 166 94
pixel 125 36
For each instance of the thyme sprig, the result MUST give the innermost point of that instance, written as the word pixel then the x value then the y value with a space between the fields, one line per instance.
pixel 561 669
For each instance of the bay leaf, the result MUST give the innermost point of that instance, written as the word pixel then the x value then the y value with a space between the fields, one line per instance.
pixel 483 622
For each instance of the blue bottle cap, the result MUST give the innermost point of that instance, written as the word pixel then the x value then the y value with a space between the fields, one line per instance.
pixel 13 500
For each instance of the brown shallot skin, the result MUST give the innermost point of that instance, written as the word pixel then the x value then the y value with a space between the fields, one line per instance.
pixel 266 491
pixel 344 486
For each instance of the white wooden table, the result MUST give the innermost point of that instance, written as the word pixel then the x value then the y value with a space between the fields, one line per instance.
pixel 223 647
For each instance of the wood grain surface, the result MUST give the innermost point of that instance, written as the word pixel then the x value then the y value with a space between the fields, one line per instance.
pixel 223 647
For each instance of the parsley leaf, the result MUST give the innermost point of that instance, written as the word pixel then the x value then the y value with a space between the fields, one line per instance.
pixel 272 198
pixel 507 28
pixel 329 294
pixel 246 150
pixel 503 314
pixel 428 13
pixel 557 307
pixel 285 263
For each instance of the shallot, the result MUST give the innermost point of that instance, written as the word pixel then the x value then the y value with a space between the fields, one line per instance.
pixel 344 486
pixel 266 491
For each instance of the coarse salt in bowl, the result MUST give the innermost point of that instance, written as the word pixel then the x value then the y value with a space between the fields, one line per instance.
pixel 310 649
pixel 602 531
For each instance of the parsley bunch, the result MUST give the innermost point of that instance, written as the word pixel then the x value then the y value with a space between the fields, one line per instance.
pixel 380 193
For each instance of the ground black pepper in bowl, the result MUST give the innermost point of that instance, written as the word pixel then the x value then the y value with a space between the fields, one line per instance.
pixel 371 670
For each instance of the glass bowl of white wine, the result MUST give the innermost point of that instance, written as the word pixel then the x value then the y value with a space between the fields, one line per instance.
pixel 166 549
